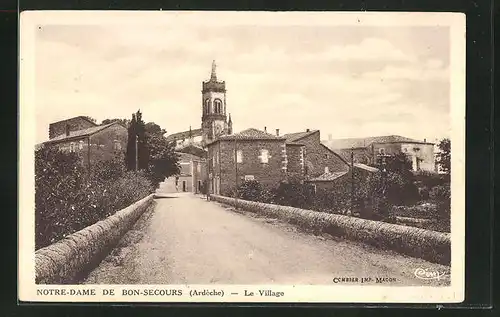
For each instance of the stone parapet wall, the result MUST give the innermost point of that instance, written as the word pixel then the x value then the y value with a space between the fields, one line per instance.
pixel 429 245
pixel 63 261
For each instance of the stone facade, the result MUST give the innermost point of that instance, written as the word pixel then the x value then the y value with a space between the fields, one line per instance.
pixel 317 156
pixel 73 124
pixel 225 175
pixel 295 154
pixel 95 144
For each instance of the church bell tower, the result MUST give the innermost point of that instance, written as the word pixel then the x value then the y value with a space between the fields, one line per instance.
pixel 214 119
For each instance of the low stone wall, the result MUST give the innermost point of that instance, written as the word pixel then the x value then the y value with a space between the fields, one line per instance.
pixel 429 245
pixel 63 261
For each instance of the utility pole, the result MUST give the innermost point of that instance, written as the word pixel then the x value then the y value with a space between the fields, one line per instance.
pixel 352 181
pixel 384 184
pixel 136 155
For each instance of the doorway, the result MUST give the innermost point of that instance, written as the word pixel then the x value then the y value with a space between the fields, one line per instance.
pixel 183 186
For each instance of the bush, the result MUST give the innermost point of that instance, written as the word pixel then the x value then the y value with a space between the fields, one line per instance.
pixel 68 198
pixel 440 195
pixel 294 195
pixel 254 191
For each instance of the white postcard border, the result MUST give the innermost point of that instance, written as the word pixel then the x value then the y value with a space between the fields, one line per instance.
pixel 29 20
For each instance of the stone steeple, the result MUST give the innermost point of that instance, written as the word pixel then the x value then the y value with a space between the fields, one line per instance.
pixel 213 120
pixel 213 75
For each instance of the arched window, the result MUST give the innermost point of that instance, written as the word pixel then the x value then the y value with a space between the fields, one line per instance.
pixel 217 106
pixel 206 106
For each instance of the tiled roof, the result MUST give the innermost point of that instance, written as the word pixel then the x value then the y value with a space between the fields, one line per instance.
pixel 184 135
pixel 293 137
pixel 325 177
pixel 365 142
pixel 366 167
pixel 251 134
pixel 79 133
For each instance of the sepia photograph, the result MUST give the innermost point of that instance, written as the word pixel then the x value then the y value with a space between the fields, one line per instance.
pixel 242 156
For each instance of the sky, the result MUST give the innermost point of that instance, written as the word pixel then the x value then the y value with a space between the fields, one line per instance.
pixel 346 81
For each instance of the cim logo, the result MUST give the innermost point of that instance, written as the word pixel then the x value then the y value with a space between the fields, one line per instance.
pixel 427 274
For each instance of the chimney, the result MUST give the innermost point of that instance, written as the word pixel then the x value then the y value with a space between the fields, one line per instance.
pixel 277 132
pixel 265 129
pixel 307 130
pixel 67 129
pixel 329 137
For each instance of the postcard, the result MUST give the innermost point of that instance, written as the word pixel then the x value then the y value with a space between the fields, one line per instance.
pixel 244 157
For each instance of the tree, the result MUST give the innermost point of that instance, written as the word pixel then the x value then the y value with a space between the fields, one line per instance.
pixel 90 118
pixel 163 161
pixel 399 180
pixel 124 122
pixel 444 155
pixel 137 134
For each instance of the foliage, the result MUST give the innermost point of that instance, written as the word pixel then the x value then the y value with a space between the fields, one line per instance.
pixel 163 161
pixel 294 194
pixel 124 122
pixel 444 155
pixel 90 119
pixel 397 180
pixel 137 134
pixel 254 191
pixel 68 198
pixel 156 156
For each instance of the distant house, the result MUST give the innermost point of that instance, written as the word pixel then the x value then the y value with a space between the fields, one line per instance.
pixel 94 143
pixel 367 150
pixel 193 173
pixel 318 157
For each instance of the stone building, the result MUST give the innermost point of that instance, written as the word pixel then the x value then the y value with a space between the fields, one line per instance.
pixel 269 159
pixel 95 143
pixel 318 157
pixel 73 124
pixel 249 155
pixel 367 150
pixel 193 172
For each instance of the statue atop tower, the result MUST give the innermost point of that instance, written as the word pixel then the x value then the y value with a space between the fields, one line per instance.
pixel 213 120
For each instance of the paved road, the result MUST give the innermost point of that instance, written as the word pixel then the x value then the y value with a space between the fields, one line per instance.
pixel 188 240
